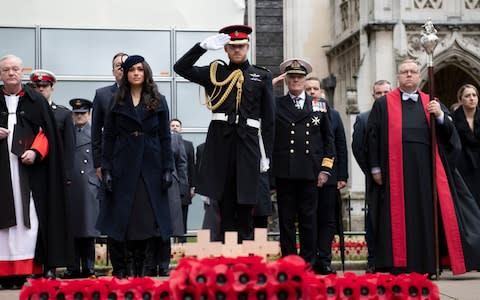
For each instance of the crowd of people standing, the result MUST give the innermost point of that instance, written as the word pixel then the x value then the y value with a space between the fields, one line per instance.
pixel 131 176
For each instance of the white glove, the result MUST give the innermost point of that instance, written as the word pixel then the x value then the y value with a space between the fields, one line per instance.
pixel 264 165
pixel 215 42
pixel 205 199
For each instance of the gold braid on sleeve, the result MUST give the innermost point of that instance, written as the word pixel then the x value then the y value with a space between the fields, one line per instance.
pixel 235 78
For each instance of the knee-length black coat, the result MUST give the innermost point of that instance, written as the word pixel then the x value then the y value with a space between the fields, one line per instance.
pixel 137 143
pixel 232 148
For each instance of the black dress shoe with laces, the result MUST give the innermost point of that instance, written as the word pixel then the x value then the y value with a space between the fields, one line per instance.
pixel 370 269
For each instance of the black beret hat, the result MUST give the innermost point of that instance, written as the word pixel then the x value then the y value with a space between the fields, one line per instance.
pixel 132 60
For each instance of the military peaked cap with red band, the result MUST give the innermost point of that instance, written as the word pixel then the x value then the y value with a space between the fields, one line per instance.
pixel 238 33
pixel 43 76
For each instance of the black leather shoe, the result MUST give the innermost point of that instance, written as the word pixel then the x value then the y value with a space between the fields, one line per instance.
pixel 370 269
pixel 324 269
pixel 50 274
pixel 120 273
pixel 90 274
pixel 163 273
pixel 70 274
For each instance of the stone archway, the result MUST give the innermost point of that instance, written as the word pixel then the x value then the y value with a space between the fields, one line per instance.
pixel 447 82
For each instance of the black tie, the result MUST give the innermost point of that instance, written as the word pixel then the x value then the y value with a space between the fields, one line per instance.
pixel 298 105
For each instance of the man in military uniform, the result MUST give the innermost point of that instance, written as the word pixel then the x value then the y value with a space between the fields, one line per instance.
pixel 328 195
pixel 302 159
pixel 240 94
pixel 83 207
pixel 42 81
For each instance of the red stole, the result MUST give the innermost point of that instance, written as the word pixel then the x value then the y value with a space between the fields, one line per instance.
pixel 397 201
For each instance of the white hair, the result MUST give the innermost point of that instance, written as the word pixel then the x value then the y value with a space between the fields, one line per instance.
pixel 10 56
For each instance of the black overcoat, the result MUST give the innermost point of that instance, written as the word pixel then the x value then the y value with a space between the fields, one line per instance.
pixel 135 145
pixel 469 159
pixel 190 151
pixel 45 179
pixel 101 104
pixel 83 203
pixel 66 129
pixel 257 102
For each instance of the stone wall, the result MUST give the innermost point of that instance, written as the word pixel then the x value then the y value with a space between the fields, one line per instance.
pixel 269 36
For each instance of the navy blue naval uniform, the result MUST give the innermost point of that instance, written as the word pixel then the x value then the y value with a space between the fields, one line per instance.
pixel 303 148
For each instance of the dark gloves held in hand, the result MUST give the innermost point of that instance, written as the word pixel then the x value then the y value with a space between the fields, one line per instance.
pixel 107 180
pixel 166 179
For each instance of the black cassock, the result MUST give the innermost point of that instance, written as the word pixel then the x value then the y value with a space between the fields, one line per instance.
pixel 405 240
pixel 45 178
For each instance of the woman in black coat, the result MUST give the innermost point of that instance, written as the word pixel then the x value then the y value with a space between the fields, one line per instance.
pixel 467 122
pixel 137 164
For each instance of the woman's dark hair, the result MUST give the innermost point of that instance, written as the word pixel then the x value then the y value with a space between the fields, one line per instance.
pixel 150 93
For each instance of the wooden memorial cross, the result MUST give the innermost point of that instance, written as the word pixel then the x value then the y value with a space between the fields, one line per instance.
pixel 261 246
pixel 204 248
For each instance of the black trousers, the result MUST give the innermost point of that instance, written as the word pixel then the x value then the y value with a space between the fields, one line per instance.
pixel 183 239
pixel 326 223
pixel 118 257
pixel 297 201
pixel 370 237
pixel 84 255
pixel 234 216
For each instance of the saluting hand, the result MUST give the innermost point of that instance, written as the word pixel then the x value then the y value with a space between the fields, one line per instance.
pixel 215 42
pixel 279 78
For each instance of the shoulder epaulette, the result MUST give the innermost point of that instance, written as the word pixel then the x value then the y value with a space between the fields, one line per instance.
pixel 59 106
pixel 262 68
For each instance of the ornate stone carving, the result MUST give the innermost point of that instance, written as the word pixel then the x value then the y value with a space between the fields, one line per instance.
pixel 352 102
pixel 349 13
pixel 344 13
pixel 472 41
pixel 472 4
pixel 428 4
